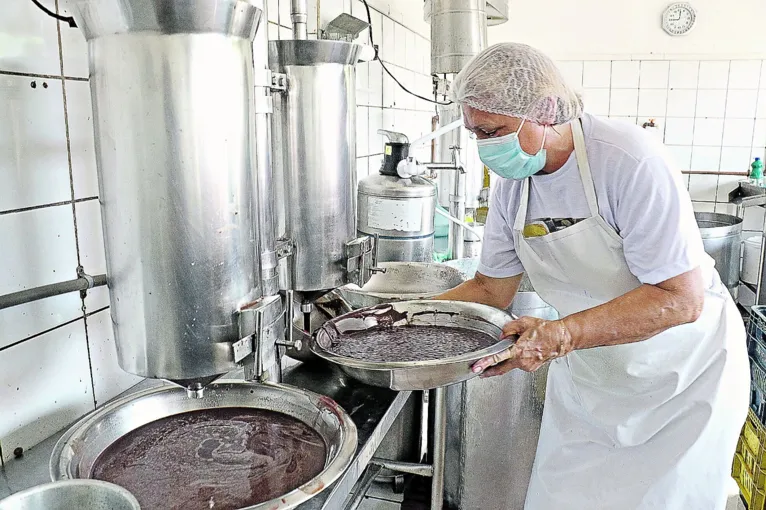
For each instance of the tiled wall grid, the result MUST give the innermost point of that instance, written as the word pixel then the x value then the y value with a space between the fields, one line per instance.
pixel 710 114
pixel 57 357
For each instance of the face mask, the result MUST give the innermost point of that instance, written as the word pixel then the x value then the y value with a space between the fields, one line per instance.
pixel 505 157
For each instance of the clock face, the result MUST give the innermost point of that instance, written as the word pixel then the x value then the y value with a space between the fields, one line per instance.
pixel 678 19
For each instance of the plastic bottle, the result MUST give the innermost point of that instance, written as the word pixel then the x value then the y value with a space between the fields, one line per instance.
pixel 756 172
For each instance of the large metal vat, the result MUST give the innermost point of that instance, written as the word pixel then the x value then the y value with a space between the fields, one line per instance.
pixel 722 238
pixel 172 92
pixel 314 127
pixel 401 213
pixel 492 429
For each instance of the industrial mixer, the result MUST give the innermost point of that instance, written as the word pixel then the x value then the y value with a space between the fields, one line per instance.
pixel 188 100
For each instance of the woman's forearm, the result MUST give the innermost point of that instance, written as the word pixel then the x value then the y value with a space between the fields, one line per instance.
pixel 497 292
pixel 639 314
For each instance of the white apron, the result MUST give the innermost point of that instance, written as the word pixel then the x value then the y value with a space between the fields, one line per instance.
pixel 648 425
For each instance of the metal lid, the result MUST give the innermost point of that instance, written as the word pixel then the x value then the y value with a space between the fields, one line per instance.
pixel 396 187
pixel 309 52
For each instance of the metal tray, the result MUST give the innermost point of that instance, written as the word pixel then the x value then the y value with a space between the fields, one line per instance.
pixel 413 375
pixel 77 450
pixel 403 281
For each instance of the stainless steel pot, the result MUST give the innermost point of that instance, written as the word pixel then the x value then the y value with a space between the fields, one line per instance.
pixel 722 237
pixel 413 375
pixel 77 450
pixel 70 495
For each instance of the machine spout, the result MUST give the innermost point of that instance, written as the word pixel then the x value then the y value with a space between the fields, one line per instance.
pixel 195 390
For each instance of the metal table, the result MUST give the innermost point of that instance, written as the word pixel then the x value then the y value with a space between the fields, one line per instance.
pixel 744 196
pixel 372 409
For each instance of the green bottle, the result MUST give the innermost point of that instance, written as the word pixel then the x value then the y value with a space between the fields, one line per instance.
pixel 756 172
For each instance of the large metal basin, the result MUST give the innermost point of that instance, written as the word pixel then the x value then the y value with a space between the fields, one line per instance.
pixel 77 450
pixel 413 375
pixel 403 281
pixel 722 237
pixel 70 495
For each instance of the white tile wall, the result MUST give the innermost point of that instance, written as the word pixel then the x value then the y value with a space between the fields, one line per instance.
pixel 45 386
pixel 46 378
pixel 711 113
pixel 33 151
pixel 28 39
pixel 57 356
pixel 108 379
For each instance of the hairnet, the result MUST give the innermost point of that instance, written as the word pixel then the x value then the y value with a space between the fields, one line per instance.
pixel 518 81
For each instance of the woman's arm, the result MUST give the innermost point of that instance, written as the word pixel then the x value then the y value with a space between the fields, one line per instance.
pixel 632 317
pixel 497 292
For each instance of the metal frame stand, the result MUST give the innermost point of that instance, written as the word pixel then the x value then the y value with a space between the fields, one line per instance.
pixel 436 468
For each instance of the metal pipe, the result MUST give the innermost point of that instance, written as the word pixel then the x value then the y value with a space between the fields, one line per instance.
pixel 412 468
pixel 440 166
pixel 264 175
pixel 463 224
pixel 457 210
pixel 715 172
pixel 299 17
pixel 436 134
pixel 356 497
pixel 54 289
pixel 440 445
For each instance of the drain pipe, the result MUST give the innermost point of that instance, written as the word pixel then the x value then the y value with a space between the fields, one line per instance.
pixel 264 175
pixel 84 282
pixel 299 17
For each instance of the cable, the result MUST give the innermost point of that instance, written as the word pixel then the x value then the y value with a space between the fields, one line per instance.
pixel 65 19
pixel 377 57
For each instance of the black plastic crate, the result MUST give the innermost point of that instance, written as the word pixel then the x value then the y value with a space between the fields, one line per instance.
pixel 756 335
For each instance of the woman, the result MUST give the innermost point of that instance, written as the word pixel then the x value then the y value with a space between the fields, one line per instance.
pixel 649 380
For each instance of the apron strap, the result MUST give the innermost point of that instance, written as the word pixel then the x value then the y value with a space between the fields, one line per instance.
pixel 521 215
pixel 585 176
pixel 584 166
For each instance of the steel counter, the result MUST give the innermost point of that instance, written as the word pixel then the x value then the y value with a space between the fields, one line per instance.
pixel 372 409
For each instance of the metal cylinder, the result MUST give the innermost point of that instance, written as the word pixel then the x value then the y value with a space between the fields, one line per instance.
pixel 299 17
pixel 458 32
pixel 438 454
pixel 172 94
pixel 722 239
pixel 267 352
pixel 457 210
pixel 469 158
pixel 264 174
pixel 493 426
pixel 314 128
pixel 401 213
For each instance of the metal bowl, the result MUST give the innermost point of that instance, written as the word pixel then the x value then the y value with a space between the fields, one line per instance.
pixel 76 452
pixel 413 375
pixel 72 494
pixel 403 281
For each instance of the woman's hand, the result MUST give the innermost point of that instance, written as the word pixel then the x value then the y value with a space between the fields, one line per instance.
pixel 539 341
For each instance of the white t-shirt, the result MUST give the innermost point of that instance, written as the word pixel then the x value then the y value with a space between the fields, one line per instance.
pixel 639 194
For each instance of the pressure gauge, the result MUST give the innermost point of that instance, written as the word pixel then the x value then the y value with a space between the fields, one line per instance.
pixel 679 18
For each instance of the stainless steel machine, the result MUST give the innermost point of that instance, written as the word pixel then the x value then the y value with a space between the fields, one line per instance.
pixel 197 213
pixel 188 105
pixel 458 33
pixel 397 209
pixel 178 193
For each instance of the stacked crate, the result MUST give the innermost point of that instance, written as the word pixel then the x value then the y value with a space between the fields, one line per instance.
pixel 749 469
